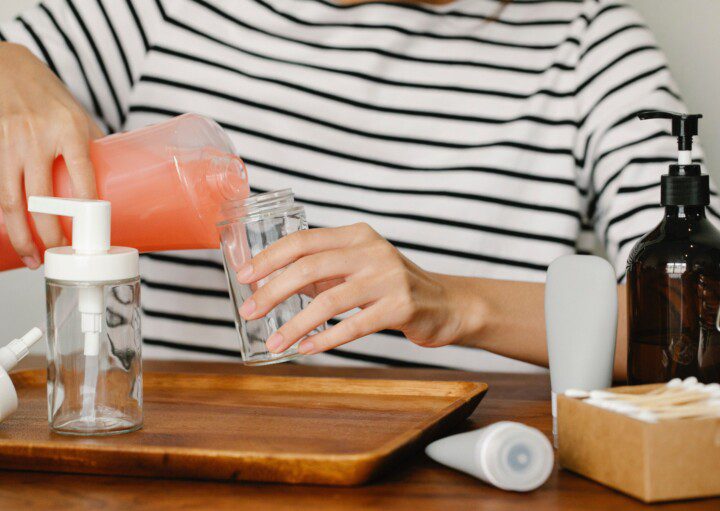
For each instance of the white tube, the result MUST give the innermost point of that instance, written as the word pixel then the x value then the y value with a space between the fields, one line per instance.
pixel 88 390
pixel 91 307
pixel 508 455
pixel 581 324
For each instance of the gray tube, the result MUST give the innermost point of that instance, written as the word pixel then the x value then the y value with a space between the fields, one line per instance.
pixel 581 324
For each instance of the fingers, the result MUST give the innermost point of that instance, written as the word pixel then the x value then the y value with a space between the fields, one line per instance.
pixel 325 266
pixel 12 203
pixel 302 243
pixel 366 322
pixel 326 305
pixel 75 149
pixel 95 130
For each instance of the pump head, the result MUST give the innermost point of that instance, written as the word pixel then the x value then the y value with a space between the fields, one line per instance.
pixel 91 220
pixel 684 184
pixel 684 126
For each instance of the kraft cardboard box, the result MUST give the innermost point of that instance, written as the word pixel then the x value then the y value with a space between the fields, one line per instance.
pixel 668 460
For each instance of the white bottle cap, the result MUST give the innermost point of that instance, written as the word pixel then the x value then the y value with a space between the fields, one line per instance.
pixel 10 355
pixel 508 455
pixel 516 457
pixel 91 258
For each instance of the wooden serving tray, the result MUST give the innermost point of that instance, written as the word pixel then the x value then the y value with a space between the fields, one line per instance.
pixel 338 431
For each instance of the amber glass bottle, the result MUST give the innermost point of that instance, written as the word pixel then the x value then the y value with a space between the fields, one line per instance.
pixel 673 278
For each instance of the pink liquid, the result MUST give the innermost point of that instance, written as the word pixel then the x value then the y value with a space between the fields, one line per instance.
pixel 163 197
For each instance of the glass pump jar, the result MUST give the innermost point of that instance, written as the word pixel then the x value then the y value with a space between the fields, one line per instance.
pixel 94 394
pixel 93 325
pixel 250 226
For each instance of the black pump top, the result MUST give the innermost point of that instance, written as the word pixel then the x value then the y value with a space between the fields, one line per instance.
pixel 684 126
pixel 684 185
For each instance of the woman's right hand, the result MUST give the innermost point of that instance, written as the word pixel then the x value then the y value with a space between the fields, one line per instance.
pixel 39 120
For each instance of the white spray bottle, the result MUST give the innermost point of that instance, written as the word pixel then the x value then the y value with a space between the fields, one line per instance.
pixel 10 355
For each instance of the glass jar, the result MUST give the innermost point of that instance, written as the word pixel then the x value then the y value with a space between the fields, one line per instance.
pixel 250 226
pixel 96 391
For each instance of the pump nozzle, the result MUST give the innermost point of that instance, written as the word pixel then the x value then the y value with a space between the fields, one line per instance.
pixel 90 235
pixel 684 184
pixel 17 349
pixel 684 127
pixel 91 220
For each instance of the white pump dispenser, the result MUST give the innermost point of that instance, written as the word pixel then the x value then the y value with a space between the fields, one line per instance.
pixel 90 259
pixel 10 355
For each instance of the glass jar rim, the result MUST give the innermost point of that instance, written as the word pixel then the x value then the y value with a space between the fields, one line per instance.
pixel 260 198
pixel 259 206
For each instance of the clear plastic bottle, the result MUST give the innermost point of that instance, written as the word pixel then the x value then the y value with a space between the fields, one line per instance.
pixel 166 184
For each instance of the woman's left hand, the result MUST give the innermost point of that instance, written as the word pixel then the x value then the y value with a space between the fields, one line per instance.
pixel 350 267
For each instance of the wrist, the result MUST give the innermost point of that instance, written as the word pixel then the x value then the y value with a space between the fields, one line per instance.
pixel 466 310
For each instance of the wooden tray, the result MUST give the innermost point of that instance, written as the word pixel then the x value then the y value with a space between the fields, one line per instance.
pixel 338 431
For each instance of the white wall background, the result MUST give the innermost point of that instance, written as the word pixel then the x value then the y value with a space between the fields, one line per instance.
pixel 686 30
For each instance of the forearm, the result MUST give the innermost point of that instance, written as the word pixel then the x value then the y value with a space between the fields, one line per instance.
pixel 507 318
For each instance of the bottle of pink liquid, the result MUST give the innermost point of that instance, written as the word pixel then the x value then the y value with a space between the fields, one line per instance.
pixel 166 184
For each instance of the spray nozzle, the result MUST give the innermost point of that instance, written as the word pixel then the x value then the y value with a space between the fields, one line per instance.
pixel 90 235
pixel 17 349
pixel 684 126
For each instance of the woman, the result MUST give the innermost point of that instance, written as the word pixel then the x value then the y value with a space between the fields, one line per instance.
pixel 479 139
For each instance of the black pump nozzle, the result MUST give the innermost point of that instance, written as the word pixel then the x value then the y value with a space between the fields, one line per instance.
pixel 684 126
pixel 684 184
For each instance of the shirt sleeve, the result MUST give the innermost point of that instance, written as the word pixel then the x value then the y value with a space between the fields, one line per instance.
pixel 620 72
pixel 96 47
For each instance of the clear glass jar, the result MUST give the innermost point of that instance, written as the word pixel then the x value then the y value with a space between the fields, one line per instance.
pixel 94 394
pixel 250 226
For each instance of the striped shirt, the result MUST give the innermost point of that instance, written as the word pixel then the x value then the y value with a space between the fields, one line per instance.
pixel 480 140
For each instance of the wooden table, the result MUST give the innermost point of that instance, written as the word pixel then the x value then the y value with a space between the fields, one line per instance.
pixel 417 484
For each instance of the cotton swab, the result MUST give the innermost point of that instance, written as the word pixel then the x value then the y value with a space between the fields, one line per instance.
pixel 677 399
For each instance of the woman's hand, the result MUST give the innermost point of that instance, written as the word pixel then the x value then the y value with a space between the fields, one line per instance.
pixel 39 120
pixel 350 267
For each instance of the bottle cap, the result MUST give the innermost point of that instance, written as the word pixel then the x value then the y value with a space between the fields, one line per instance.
pixel 516 457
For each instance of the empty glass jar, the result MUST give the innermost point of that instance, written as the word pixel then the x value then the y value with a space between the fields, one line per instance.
pixel 94 393
pixel 250 226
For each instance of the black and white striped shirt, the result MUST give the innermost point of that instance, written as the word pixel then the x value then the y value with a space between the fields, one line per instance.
pixel 479 140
